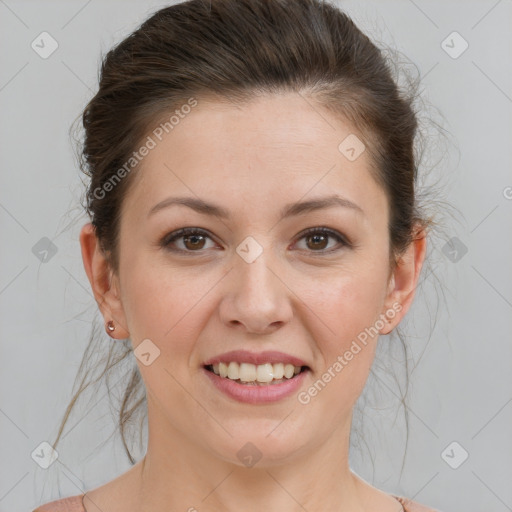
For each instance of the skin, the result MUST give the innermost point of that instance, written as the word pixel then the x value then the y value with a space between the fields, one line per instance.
pixel 251 160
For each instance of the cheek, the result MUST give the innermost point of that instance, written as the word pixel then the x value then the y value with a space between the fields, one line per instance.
pixel 344 324
pixel 349 309
pixel 349 303
pixel 163 303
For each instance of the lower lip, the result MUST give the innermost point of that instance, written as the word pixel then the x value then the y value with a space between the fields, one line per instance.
pixel 256 394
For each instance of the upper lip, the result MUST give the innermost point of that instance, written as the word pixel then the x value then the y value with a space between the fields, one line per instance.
pixel 256 358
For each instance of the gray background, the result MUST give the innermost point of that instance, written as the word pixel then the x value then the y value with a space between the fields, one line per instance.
pixel 461 388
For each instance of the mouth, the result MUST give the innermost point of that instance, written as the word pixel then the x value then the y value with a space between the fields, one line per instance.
pixel 256 377
pixel 249 374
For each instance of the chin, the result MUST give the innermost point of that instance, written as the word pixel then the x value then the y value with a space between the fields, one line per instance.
pixel 251 446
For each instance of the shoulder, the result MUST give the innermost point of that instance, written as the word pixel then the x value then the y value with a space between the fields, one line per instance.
pixel 413 506
pixel 70 504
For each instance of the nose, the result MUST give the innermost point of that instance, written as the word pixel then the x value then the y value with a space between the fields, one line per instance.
pixel 257 299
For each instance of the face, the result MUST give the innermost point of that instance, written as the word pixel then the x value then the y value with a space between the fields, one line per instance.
pixel 250 279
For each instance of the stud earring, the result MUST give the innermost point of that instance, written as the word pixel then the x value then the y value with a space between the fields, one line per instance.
pixel 110 326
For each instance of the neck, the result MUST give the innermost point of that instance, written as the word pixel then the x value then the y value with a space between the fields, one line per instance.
pixel 179 474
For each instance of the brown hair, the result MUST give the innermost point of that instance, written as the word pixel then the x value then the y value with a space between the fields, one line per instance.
pixel 234 50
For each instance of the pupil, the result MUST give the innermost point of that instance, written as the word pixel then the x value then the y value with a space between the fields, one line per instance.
pixel 194 238
pixel 316 237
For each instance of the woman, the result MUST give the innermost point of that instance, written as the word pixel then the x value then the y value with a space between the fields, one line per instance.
pixel 254 228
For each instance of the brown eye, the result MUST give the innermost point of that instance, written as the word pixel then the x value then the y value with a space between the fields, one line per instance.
pixel 317 240
pixel 193 240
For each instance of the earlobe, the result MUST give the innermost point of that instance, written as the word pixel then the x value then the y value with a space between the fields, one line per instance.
pixel 403 282
pixel 103 281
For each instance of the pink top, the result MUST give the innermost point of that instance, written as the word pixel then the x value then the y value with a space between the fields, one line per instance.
pixel 75 504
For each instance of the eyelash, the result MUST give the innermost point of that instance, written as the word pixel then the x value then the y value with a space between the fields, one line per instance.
pixel 168 239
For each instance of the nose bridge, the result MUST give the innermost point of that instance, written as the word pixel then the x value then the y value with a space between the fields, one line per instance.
pixel 257 296
pixel 254 268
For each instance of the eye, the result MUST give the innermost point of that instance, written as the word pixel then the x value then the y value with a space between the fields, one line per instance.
pixel 318 238
pixel 193 240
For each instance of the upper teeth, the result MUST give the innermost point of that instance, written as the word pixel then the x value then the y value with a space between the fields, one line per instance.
pixel 248 372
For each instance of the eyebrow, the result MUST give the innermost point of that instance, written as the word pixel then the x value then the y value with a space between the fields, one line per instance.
pixel 290 210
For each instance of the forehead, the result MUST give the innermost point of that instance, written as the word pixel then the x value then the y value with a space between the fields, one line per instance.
pixel 276 146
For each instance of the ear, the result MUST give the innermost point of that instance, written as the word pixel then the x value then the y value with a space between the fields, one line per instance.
pixel 104 282
pixel 404 279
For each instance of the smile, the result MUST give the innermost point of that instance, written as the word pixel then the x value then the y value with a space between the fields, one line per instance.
pixel 251 374
pixel 250 390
